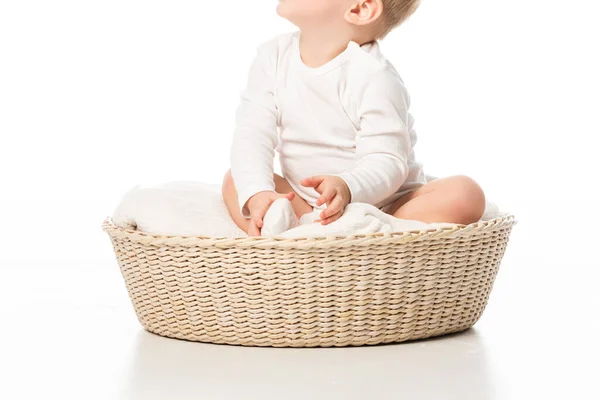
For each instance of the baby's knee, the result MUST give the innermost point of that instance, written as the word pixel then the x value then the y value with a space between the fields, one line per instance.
pixel 469 199
pixel 475 193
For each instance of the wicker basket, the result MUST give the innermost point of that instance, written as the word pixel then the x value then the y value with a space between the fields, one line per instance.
pixel 307 292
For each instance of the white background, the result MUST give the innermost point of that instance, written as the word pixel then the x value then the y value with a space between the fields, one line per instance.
pixel 98 96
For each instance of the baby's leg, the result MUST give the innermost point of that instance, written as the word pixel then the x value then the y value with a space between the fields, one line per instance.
pixel 229 193
pixel 454 199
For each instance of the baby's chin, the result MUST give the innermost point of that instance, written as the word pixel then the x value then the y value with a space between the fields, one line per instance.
pixel 289 9
pixel 283 9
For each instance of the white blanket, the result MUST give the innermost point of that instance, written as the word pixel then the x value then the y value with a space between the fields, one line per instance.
pixel 197 209
pixel 358 218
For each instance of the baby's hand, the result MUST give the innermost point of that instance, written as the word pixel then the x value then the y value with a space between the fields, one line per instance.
pixel 258 206
pixel 334 192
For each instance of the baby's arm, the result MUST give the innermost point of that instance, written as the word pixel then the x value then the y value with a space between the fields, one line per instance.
pixel 383 141
pixel 255 134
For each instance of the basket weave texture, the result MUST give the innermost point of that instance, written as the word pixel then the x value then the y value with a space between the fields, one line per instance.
pixel 309 292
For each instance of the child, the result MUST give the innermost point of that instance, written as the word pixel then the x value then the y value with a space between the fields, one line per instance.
pixel 336 111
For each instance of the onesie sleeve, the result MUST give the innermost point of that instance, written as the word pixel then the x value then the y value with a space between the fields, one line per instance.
pixel 383 141
pixel 255 134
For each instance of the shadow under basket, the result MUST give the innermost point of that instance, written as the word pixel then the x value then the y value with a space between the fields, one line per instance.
pixel 308 292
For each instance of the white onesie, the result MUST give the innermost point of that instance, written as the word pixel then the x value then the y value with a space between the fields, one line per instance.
pixel 348 118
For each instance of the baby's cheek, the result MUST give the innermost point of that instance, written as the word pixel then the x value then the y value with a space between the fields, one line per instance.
pixel 330 10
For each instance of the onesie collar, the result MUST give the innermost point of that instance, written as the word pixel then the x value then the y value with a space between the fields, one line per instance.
pixel 328 66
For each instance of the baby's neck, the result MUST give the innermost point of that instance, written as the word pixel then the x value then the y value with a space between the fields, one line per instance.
pixel 318 49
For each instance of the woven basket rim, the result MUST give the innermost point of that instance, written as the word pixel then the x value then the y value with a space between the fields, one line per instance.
pixel 278 241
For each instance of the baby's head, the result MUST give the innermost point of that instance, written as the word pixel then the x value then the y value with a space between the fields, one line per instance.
pixel 365 20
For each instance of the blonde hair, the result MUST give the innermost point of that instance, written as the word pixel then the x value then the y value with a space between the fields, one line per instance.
pixel 395 12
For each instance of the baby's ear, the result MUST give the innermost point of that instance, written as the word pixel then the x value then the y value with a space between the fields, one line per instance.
pixel 364 12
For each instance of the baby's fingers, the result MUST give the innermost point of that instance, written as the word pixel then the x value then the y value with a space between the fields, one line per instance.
pixel 334 206
pixel 260 215
pixel 326 197
pixel 257 215
pixel 312 181
pixel 253 229
pixel 332 218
